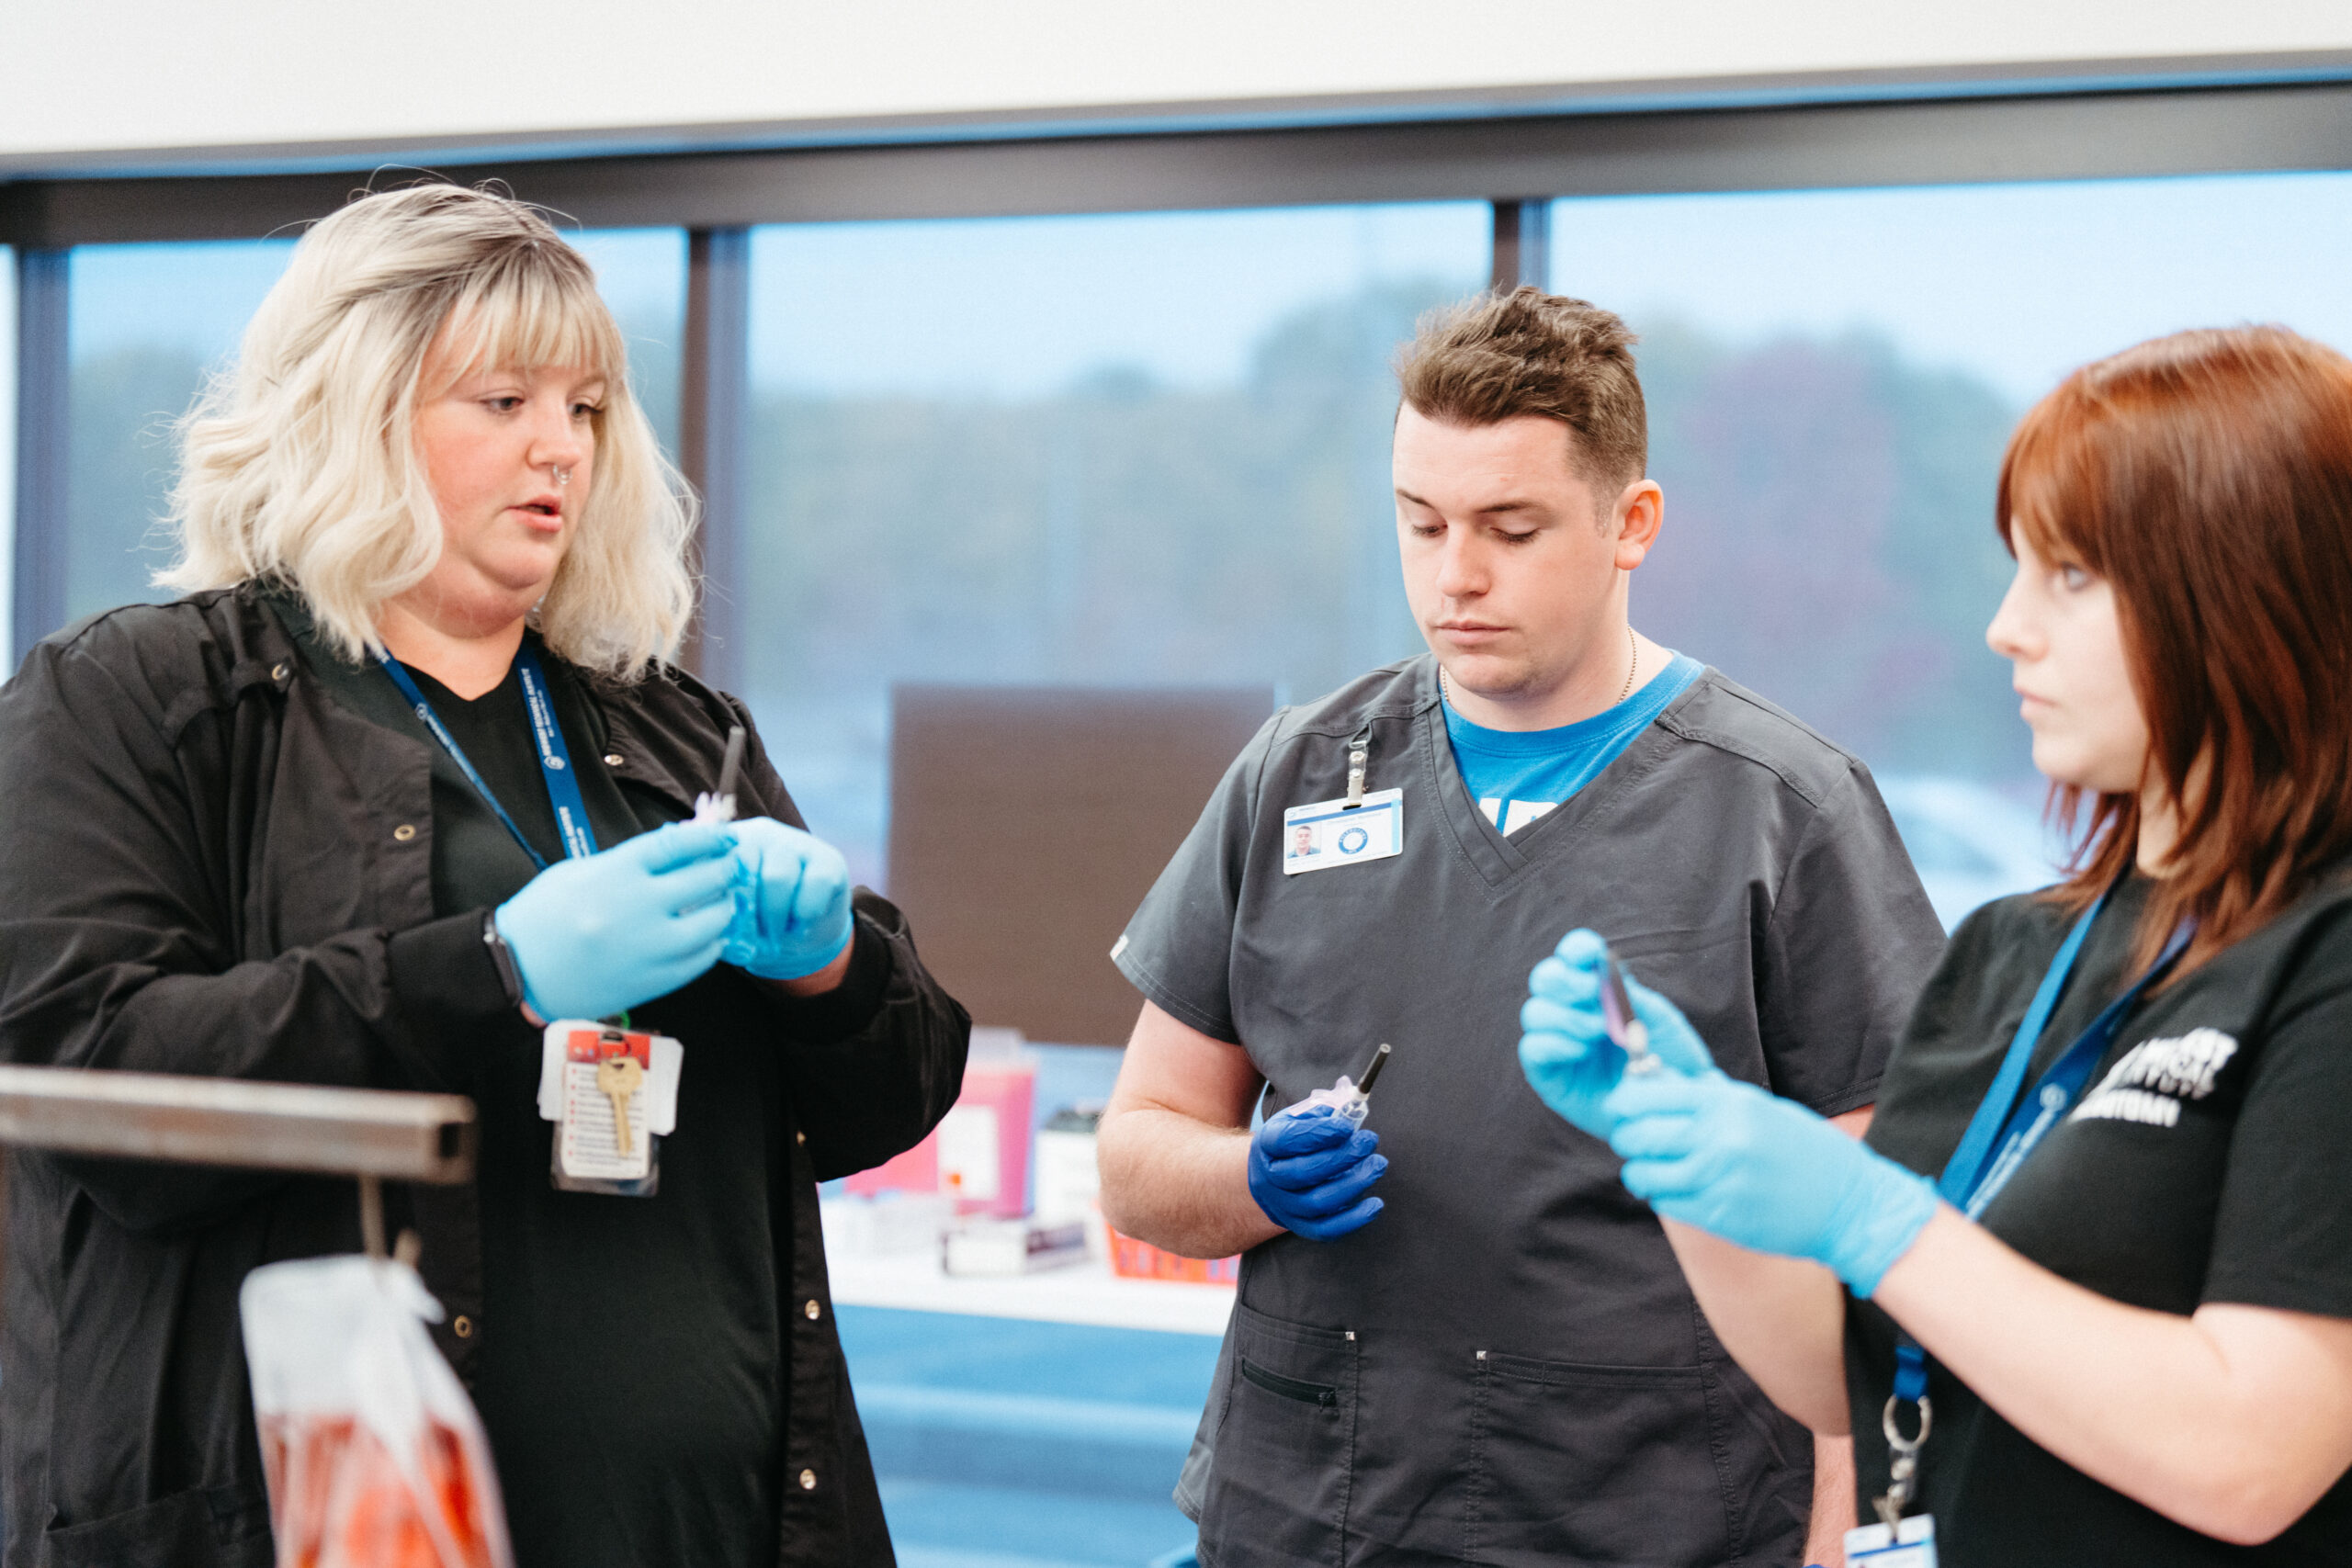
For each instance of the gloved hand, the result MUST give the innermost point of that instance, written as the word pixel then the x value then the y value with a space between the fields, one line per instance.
pixel 792 911
pixel 598 935
pixel 1310 1170
pixel 1568 1059
pixel 1765 1173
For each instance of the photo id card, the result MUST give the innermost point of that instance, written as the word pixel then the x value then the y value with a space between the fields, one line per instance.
pixel 1910 1544
pixel 1330 833
pixel 613 1095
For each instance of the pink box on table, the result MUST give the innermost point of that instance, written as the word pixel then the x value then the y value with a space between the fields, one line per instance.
pixel 978 1154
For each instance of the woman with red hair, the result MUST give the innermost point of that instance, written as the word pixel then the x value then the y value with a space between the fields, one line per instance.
pixel 2085 1295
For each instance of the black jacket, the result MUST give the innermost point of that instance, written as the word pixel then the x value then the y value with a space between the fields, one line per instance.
pixel 208 866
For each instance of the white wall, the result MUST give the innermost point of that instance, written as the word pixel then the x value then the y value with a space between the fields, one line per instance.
pixel 81 79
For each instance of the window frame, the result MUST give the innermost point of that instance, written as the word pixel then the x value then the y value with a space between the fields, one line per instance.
pixel 1909 135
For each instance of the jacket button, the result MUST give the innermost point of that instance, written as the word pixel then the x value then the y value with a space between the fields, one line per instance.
pixel 405 832
pixel 462 1327
pixel 808 1481
pixel 612 759
pixel 812 1310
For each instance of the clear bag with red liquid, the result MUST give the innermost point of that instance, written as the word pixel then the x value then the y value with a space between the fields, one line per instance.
pixel 374 1455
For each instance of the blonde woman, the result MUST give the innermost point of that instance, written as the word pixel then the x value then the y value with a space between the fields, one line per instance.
pixel 299 825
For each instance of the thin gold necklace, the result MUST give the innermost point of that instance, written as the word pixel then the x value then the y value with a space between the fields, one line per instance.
pixel 1633 646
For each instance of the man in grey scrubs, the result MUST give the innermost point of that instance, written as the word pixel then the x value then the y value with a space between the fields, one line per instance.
pixel 1470 1343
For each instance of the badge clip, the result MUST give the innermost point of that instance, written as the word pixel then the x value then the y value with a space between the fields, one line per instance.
pixel 1359 755
pixel 1903 1469
pixel 1896 1542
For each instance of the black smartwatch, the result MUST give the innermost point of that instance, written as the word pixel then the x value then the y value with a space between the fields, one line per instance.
pixel 501 958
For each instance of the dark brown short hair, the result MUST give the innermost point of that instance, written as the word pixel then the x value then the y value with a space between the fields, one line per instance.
pixel 2208 478
pixel 1527 352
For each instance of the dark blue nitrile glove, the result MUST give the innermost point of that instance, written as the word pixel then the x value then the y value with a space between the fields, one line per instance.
pixel 792 913
pixel 598 934
pixel 1765 1173
pixel 1310 1169
pixel 1568 1059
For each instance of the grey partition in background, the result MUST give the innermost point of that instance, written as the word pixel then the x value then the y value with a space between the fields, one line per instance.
pixel 1028 822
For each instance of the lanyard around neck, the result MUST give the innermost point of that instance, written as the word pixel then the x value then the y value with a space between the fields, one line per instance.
pixel 2006 1129
pixel 547 736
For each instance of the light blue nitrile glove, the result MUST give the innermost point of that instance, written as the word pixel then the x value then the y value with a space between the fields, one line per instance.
pixel 598 934
pixel 1310 1169
pixel 1765 1173
pixel 792 908
pixel 1568 1059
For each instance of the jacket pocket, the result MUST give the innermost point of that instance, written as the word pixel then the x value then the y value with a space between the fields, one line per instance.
pixel 224 1527
pixel 1604 1466
pixel 1279 1479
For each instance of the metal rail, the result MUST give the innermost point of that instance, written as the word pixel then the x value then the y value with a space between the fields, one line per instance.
pixel 373 1135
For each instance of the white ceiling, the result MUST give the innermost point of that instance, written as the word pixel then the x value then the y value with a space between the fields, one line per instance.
pixel 93 81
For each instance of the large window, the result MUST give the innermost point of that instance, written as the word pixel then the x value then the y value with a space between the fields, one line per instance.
pixel 148 323
pixel 642 274
pixel 1129 450
pixel 1831 377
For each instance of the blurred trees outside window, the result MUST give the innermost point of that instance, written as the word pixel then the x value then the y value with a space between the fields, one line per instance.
pixel 1128 450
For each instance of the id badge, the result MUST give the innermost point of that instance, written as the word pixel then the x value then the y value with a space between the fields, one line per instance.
pixel 1329 833
pixel 1910 1544
pixel 613 1095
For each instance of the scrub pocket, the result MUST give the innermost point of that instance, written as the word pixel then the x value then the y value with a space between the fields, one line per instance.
pixel 1604 1466
pixel 1278 1485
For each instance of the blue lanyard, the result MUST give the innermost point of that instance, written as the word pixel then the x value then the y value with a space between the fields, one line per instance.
pixel 2004 1129
pixel 555 759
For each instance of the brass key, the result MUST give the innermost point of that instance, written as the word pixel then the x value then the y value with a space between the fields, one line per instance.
pixel 618 1079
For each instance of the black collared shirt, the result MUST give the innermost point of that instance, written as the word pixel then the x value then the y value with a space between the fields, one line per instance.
pixel 210 863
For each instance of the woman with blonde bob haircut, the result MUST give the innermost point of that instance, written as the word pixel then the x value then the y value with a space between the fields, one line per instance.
pixel 2085 1295
pixel 404 779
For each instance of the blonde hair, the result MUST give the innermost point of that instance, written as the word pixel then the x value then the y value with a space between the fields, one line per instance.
pixel 298 466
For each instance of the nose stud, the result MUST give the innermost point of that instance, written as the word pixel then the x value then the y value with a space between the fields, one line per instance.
pixel 563 475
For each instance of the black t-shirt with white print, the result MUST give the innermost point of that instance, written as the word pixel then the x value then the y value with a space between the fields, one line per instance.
pixel 2210 1159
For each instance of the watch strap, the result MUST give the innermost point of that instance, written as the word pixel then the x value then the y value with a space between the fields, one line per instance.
pixel 501 958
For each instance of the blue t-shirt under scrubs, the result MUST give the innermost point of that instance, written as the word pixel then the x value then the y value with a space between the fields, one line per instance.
pixel 1517 775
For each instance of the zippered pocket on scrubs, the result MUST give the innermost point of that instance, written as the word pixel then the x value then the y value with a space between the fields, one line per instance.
pixel 1321 1394
pixel 1284 1452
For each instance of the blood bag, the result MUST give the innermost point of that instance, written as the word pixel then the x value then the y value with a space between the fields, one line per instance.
pixel 374 1455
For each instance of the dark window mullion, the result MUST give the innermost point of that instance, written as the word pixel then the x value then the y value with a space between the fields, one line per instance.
pixel 1523 251
pixel 43 447
pixel 714 410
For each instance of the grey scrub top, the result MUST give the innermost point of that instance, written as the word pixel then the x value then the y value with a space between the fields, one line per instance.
pixel 1505 1366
